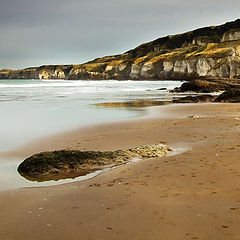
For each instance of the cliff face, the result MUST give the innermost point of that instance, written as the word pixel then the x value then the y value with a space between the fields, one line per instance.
pixel 211 52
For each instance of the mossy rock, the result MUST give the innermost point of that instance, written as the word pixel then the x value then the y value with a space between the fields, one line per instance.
pixel 208 86
pixel 63 164
pixel 133 104
pixel 195 99
pixel 230 96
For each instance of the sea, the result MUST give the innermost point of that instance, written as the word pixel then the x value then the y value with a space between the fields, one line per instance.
pixel 30 109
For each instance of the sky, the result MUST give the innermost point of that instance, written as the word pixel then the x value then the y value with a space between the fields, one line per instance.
pixel 34 32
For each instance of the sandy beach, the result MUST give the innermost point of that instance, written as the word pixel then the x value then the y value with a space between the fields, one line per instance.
pixel 192 195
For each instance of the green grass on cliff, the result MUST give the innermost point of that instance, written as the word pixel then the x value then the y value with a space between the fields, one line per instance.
pixel 208 50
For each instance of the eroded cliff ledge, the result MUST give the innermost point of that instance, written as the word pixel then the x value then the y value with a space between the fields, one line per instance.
pixel 210 52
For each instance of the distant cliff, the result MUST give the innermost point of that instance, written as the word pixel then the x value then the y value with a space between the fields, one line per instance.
pixel 210 52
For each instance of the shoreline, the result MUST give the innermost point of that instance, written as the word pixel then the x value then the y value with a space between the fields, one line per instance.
pixel 21 152
pixel 57 106
pixel 17 155
pixel 145 200
pixel 54 141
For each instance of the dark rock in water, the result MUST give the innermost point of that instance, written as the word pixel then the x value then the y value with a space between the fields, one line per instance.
pixel 196 86
pixel 70 164
pixel 61 164
pixel 231 96
pixel 208 86
pixel 195 99
pixel 132 104
pixel 161 89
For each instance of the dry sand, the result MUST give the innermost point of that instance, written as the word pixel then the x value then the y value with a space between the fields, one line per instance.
pixel 192 195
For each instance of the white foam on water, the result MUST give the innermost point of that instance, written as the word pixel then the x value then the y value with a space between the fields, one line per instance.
pixel 34 108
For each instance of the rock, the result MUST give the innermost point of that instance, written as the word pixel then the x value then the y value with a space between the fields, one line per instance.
pixel 201 86
pixel 162 89
pixel 195 99
pixel 71 163
pixel 132 104
pixel 230 96
pixel 208 86
pixel 194 117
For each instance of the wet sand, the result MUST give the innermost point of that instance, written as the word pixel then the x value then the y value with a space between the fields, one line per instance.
pixel 192 195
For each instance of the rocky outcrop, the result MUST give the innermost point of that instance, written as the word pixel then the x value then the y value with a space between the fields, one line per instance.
pixel 230 96
pixel 132 104
pixel 28 73
pixel 195 99
pixel 210 52
pixel 231 35
pixel 70 164
pixel 54 72
pixel 4 73
pixel 208 86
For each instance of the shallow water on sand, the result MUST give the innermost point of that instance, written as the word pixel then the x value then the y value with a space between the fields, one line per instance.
pixel 33 108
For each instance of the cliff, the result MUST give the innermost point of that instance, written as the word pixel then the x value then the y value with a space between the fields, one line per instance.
pixel 210 52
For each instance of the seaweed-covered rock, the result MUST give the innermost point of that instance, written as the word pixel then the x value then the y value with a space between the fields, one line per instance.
pixel 195 99
pixel 72 163
pixel 197 86
pixel 208 86
pixel 132 104
pixel 230 96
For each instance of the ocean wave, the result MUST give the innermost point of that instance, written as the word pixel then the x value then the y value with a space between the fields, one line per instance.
pixel 96 84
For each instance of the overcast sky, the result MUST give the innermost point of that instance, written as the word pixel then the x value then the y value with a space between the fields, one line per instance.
pixel 38 32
